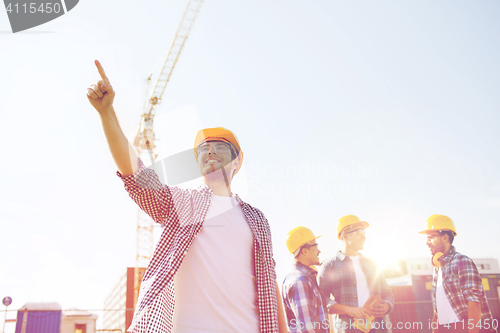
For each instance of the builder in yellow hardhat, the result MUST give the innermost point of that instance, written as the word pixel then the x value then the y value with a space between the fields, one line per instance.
pixel 304 306
pixel 352 279
pixel 457 285
pixel 225 283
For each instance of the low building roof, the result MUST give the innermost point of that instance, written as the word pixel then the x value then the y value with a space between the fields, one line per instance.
pixel 41 306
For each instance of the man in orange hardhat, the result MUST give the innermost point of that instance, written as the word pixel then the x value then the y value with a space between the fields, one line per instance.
pixel 216 140
pixel 352 280
pixel 214 257
pixel 459 301
pixel 304 305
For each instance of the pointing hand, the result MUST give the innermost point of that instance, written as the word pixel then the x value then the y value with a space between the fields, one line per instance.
pixel 101 94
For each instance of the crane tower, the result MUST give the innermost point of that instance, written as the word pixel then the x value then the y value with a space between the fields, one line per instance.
pixel 144 141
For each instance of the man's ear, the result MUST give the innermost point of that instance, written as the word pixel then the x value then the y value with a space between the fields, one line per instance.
pixel 446 237
pixel 235 163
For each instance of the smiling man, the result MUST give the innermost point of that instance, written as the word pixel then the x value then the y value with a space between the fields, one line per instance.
pixel 459 301
pixel 213 267
pixel 304 305
pixel 351 279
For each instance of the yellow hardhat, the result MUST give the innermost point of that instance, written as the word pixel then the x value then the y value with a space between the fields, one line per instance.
pixel 439 223
pixel 350 221
pixel 297 238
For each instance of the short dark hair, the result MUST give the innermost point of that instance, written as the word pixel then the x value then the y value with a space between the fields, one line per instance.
pixel 304 247
pixel 234 151
pixel 451 237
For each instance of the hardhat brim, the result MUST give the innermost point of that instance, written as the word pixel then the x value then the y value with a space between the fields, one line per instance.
pixel 297 250
pixel 363 223
pixel 309 241
pixel 428 230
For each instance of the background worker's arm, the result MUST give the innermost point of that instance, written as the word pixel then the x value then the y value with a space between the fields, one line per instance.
pixel 359 313
pixel 101 96
pixel 471 285
pixel 474 313
pixel 303 307
pixel 380 310
pixel 283 328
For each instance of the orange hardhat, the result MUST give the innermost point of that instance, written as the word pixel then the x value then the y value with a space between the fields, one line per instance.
pixel 218 134
pixel 349 221
pixel 439 222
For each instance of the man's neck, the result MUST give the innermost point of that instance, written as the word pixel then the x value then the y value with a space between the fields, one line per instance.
pixel 220 189
pixel 350 252
pixel 219 183
pixel 447 248
pixel 303 262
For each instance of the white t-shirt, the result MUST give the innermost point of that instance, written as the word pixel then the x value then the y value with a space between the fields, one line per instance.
pixel 444 309
pixel 361 283
pixel 215 286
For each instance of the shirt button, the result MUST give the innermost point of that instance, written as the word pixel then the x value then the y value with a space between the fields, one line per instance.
pixel 185 253
pixel 355 296
pixel 171 272
pixel 354 282
pixel 156 291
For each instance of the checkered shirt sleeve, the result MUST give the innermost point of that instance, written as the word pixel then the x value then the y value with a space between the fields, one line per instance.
pixel 304 299
pixel 145 188
pixel 462 284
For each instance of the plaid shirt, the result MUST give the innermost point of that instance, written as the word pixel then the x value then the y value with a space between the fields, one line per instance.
pixel 337 279
pixel 182 213
pixel 462 284
pixel 304 306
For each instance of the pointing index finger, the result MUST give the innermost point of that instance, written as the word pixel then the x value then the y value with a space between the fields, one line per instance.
pixel 101 72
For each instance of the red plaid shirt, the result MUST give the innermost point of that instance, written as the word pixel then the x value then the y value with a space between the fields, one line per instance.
pixel 182 213
pixel 462 284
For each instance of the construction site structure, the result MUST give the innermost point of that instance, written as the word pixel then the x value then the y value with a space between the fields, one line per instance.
pixel 119 305
pixel 40 317
pixel 144 141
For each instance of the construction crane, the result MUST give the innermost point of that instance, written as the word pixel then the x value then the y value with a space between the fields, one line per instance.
pixel 144 141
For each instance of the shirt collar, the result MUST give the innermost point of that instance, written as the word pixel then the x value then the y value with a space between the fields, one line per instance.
pixel 237 197
pixel 205 190
pixel 342 256
pixel 306 270
pixel 447 257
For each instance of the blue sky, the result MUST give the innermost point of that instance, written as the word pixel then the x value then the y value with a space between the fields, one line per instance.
pixel 398 101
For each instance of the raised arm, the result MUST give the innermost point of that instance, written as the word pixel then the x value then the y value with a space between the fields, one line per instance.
pixel 101 96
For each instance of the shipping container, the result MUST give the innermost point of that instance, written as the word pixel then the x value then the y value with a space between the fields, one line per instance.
pixel 39 318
